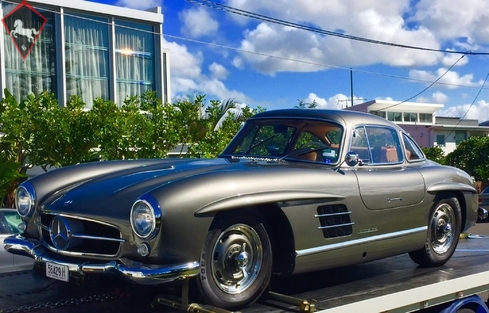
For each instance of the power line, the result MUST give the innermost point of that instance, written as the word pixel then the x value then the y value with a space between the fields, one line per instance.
pixel 330 33
pixel 311 62
pixel 428 87
pixel 269 19
pixel 74 15
pixel 470 106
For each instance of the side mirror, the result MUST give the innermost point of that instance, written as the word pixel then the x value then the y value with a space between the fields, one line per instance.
pixel 352 159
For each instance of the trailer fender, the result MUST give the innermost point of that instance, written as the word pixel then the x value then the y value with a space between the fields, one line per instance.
pixel 475 303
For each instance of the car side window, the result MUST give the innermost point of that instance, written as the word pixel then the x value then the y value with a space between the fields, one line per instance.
pixel 413 151
pixel 377 145
pixel 359 144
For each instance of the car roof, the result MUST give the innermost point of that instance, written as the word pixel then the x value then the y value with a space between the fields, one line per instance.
pixel 341 116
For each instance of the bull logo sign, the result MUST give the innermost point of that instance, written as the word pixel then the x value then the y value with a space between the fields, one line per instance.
pixel 24 25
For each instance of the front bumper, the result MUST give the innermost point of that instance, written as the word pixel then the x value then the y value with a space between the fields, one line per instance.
pixel 140 273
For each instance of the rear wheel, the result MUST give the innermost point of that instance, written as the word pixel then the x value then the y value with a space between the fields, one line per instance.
pixel 236 262
pixel 443 232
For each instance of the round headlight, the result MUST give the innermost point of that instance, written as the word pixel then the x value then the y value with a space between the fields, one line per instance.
pixel 144 218
pixel 24 200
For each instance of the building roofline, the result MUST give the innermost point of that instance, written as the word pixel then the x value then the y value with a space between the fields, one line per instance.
pixel 396 106
pixel 153 15
pixel 459 127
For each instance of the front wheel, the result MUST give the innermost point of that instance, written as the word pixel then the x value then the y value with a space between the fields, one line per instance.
pixel 236 262
pixel 443 232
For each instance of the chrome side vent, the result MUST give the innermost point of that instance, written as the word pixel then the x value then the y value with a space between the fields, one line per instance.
pixel 335 221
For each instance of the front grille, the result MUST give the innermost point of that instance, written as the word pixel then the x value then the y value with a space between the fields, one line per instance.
pixel 88 237
pixel 334 220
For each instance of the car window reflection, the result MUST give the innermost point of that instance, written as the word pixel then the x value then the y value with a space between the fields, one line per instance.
pixel 9 221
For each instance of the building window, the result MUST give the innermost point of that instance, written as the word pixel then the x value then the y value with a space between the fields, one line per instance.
pixel 410 117
pixel 135 61
pixel 394 116
pixel 425 118
pixel 87 57
pixel 378 113
pixel 37 73
pixel 460 135
pixel 440 140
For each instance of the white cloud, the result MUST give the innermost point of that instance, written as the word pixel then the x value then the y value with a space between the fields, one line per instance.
pixel 433 24
pixel 218 71
pixel 436 97
pixel 439 97
pixel 381 20
pixel 139 4
pixel 455 22
pixel 238 62
pixel 450 80
pixel 197 22
pixel 479 111
pixel 187 77
pixel 336 102
pixel 182 62
pixel 451 58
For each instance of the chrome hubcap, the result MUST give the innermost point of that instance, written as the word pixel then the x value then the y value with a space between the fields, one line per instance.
pixel 442 231
pixel 237 257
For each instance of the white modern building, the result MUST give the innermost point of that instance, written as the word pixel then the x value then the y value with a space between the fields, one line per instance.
pixel 421 121
pixel 84 48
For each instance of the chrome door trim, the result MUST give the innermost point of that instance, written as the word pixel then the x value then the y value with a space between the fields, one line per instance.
pixel 349 243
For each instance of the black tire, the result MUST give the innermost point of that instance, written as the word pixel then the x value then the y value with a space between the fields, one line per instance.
pixel 444 228
pixel 236 262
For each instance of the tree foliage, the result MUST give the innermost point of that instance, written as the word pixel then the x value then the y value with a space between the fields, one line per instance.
pixel 435 154
pixel 39 132
pixel 471 156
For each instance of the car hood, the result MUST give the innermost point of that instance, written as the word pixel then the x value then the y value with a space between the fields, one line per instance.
pixel 112 195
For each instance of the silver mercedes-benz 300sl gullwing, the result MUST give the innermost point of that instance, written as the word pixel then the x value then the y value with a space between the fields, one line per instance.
pixel 295 191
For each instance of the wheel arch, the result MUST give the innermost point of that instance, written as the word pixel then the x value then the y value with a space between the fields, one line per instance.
pixel 461 200
pixel 279 231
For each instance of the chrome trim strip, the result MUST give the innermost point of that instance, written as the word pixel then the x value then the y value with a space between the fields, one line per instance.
pixel 337 225
pixel 49 212
pixel 394 199
pixel 41 225
pixel 349 243
pixel 97 238
pixel 145 274
pixel 332 214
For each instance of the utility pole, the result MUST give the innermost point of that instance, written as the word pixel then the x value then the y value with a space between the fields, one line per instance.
pixel 351 87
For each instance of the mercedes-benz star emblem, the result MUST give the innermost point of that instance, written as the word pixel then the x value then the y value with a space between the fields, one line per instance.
pixel 60 232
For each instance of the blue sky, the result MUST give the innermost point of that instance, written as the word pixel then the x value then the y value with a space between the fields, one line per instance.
pixel 258 63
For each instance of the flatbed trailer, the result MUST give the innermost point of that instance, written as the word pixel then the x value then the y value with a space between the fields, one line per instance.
pixel 394 284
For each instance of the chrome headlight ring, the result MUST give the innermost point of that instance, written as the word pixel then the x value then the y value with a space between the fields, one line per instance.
pixel 25 199
pixel 145 217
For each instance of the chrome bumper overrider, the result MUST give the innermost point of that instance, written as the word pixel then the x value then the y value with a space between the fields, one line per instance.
pixel 140 273
pixel 482 214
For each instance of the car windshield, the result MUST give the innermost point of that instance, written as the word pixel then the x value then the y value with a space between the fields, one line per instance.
pixel 317 141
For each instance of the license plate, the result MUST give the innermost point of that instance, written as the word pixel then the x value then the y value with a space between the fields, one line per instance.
pixel 56 271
